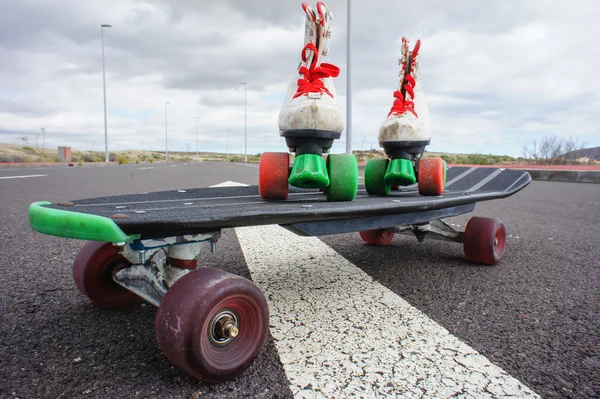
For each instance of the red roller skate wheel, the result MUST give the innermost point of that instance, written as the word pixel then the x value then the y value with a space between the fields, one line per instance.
pixel 273 173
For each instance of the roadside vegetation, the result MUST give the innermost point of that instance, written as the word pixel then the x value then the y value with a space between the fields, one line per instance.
pixel 549 150
pixel 553 150
pixel 27 153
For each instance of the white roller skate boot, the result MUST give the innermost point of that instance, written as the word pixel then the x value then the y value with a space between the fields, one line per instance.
pixel 310 107
pixel 408 120
pixel 310 118
pixel 404 135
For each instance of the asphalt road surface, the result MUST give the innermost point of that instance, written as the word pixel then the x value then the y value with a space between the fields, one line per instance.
pixel 347 319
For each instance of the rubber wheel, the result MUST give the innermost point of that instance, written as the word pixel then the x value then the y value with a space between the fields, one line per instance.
pixel 186 317
pixel 343 177
pixel 380 237
pixel 93 270
pixel 323 189
pixel 374 177
pixel 431 176
pixel 484 240
pixel 273 173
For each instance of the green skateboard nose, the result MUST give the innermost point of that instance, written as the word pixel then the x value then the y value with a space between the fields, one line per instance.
pixel 400 172
pixel 309 171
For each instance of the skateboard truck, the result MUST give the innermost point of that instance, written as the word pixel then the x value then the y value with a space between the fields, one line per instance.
pixel 404 157
pixel 309 169
pixel 436 229
pixel 161 272
pixel 157 264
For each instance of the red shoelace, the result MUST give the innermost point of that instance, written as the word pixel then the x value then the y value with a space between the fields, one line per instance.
pixel 402 105
pixel 312 81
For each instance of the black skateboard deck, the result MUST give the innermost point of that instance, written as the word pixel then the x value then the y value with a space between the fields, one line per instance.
pixel 199 210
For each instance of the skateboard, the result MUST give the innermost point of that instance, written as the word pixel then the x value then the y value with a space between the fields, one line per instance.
pixel 211 323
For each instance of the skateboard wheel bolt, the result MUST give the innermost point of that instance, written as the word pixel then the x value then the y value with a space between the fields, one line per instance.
pixel 224 327
pixel 231 330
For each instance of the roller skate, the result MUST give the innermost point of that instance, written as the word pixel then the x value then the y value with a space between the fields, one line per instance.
pixel 310 120
pixel 404 135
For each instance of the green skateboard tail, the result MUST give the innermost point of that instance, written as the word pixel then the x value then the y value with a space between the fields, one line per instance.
pixel 75 225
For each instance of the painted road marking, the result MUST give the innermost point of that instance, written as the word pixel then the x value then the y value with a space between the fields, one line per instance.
pixel 339 333
pixel 230 183
pixel 20 177
pixel 146 168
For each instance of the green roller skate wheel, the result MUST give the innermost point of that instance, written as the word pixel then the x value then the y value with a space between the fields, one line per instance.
pixel 343 177
pixel 375 177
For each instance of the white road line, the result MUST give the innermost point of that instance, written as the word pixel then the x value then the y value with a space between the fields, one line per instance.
pixel 20 177
pixel 249 165
pixel 146 168
pixel 341 334
pixel 230 183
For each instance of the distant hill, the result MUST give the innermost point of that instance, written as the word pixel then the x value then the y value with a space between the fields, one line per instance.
pixel 591 153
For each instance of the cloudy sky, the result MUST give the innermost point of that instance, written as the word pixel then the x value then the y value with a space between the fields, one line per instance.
pixel 496 75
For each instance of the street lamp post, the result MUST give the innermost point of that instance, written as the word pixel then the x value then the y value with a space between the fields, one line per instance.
pixel 104 89
pixel 43 140
pixel 349 81
pixel 245 122
pixel 166 135
pixel 197 153
pixel 227 141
